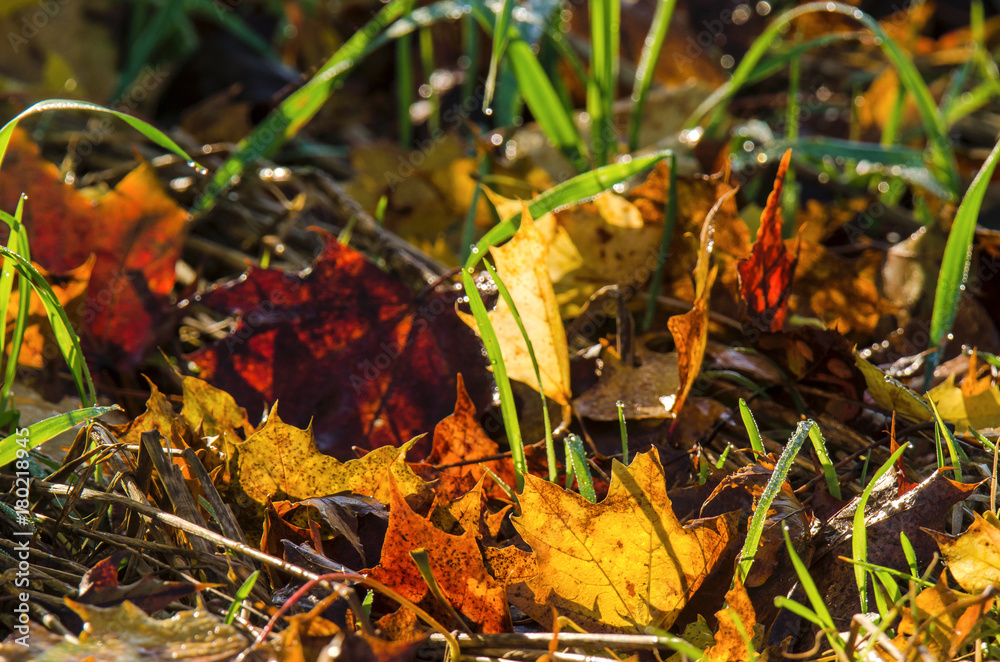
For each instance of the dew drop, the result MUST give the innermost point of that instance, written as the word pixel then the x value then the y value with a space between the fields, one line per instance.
pixel 487 111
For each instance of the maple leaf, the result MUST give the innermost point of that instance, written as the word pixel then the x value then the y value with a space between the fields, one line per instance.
pixel 521 264
pixel 973 557
pixel 938 623
pixel 619 565
pixel 382 364
pixel 456 562
pixel 738 633
pixel 766 276
pixel 135 230
pixel 282 461
pixel 39 340
pixel 459 438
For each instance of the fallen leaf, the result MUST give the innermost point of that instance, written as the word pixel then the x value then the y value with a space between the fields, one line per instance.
pixel 521 264
pixel 281 461
pixel 936 622
pixel 39 344
pixel 136 232
pixel 890 394
pixel 738 635
pixel 766 276
pixel 125 632
pixel 647 390
pixel 619 565
pixel 455 561
pixel 973 557
pixel 690 330
pixel 459 439
pixel 99 587
pixel 382 364
pixel 979 411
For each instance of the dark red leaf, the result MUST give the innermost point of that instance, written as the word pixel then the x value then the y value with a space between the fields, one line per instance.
pixel 345 344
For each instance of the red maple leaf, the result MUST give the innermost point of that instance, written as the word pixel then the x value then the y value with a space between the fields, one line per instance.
pixel 766 276
pixel 346 345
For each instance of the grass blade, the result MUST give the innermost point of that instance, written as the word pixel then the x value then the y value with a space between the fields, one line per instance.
pixel 500 38
pixel 12 447
pixel 647 65
pixel 300 106
pixel 507 409
pixel 751 425
pixel 550 449
pixel 240 596
pixel 147 130
pixel 820 614
pixel 576 455
pixel 544 103
pixel 605 19
pixel 859 535
pixel 954 272
pixel 18 243
pixel 934 127
pixel 829 473
pixel 66 338
pixel 759 518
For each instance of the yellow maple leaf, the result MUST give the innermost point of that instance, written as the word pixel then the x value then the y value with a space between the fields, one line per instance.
pixel 282 461
pixel 521 264
pixel 619 565
pixel 973 557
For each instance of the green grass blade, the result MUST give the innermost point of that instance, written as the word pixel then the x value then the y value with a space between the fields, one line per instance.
pixel 507 405
pixel 820 614
pixel 859 535
pixel 550 449
pixel 426 42
pixel 18 243
pixel 11 447
pixel 576 455
pixel 956 455
pixel 579 188
pixel 66 338
pixel 751 425
pixel 934 127
pixel 404 90
pixel 500 38
pixel 957 259
pixel 605 18
pixel 147 130
pixel 647 66
pixel 241 595
pixel 300 106
pixel 543 101
pixel 829 473
pixel 623 431
pixel 770 491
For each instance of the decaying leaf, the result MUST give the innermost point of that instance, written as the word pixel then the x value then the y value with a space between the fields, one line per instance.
pixel 690 330
pixel 766 276
pixel 135 231
pixel 977 410
pixel 381 364
pixel 619 565
pixel 99 587
pixel 647 390
pixel 973 557
pixel 738 635
pixel 282 461
pixel 890 394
